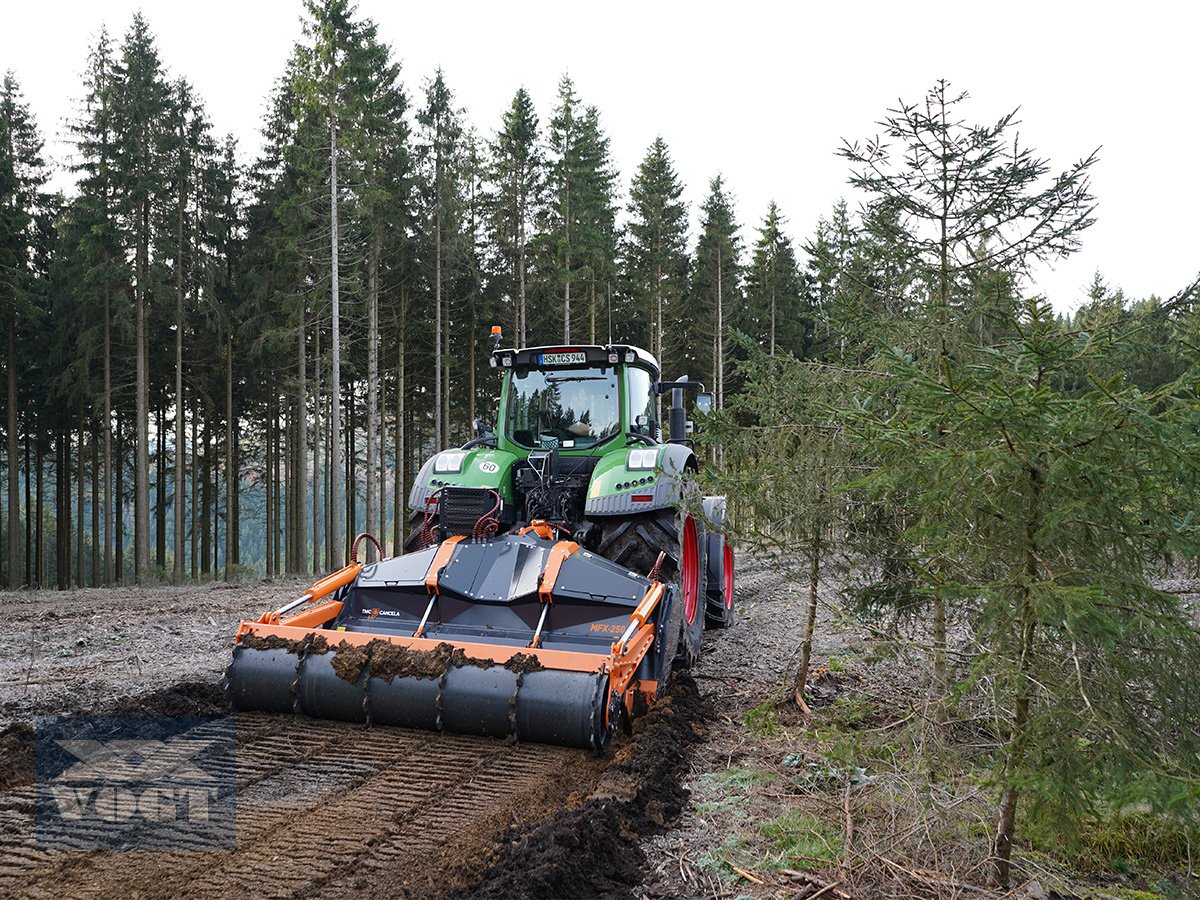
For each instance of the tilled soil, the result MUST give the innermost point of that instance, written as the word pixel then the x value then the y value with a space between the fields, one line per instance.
pixel 323 808
pixel 81 651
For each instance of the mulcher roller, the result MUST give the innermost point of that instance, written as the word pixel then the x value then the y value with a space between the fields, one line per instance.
pixel 546 707
pixel 516 636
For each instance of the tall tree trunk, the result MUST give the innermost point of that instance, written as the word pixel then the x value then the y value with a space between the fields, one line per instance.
pixel 401 472
pixel 317 502
pixel 39 577
pixel 177 567
pixel 14 544
pixel 107 429
pixel 300 494
pixel 206 498
pixel 373 503
pixel 141 463
pixel 30 575
pixel 277 515
pixel 472 409
pixel 351 466
pixel 437 302
pixel 118 509
pixel 567 289
pixel 235 501
pixel 94 579
pixel 719 372
pixel 81 483
pixel 195 492
pixel 160 493
pixel 335 384
pixel 62 497
pixel 231 473
pixel 269 490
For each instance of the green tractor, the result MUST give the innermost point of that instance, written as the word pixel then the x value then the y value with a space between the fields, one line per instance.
pixel 558 566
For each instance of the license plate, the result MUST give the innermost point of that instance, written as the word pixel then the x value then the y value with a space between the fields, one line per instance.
pixel 575 358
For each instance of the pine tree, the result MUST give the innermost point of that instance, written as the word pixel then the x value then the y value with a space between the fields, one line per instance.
pixel 716 290
pixel 1048 514
pixel 439 149
pixel 937 188
pixel 517 175
pixel 22 176
pixel 141 104
pixel 655 257
pixel 777 304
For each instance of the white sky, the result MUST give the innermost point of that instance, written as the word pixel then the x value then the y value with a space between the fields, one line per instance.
pixel 761 92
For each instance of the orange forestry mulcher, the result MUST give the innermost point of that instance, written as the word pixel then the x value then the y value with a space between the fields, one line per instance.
pixel 559 564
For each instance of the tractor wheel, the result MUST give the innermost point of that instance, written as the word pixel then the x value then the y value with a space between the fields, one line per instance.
pixel 635 543
pixel 718 607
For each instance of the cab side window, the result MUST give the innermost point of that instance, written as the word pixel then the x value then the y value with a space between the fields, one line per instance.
pixel 641 400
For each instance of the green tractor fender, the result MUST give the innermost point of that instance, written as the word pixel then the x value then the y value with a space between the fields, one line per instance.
pixel 476 467
pixel 640 479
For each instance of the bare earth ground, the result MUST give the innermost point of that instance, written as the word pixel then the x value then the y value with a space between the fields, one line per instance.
pixel 323 808
pixel 78 650
pixel 777 808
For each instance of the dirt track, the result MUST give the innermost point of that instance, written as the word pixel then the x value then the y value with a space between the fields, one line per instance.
pixel 323 807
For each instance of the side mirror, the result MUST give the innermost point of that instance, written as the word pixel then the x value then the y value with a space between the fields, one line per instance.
pixel 704 403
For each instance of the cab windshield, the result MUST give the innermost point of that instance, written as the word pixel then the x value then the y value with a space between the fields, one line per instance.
pixel 564 408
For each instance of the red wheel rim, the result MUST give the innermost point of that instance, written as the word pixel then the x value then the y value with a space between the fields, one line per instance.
pixel 728 577
pixel 690 574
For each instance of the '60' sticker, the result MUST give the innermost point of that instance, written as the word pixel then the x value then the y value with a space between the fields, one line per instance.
pixel 489 467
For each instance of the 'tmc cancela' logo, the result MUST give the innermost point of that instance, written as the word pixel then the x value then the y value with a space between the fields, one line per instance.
pixel 131 783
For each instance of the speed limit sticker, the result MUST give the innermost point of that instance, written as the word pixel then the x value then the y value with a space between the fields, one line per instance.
pixel 489 467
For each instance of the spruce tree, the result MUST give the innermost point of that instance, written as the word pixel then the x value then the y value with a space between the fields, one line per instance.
pixel 936 189
pixel 518 178
pixel 22 176
pixel 778 308
pixel 655 259
pixel 440 153
pixel 715 298
pixel 141 105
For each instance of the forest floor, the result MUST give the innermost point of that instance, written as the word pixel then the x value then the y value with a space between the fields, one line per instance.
pixel 858 801
pixel 723 790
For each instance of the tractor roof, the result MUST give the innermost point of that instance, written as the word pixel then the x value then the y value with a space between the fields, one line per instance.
pixel 574 355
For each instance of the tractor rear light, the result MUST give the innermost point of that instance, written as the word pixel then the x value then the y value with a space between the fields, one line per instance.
pixel 642 498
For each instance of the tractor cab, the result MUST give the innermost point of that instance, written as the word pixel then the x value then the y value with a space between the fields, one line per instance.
pixel 575 399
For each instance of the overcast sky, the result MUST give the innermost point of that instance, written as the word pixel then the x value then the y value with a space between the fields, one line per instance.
pixel 760 92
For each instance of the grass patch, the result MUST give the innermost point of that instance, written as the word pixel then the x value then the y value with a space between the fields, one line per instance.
pixel 762 720
pixel 739 777
pixel 1136 840
pixel 801 841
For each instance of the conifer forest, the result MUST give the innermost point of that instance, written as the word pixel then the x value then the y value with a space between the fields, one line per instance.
pixel 220 368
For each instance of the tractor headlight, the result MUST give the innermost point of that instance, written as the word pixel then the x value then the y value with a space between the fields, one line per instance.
pixel 614 357
pixel 451 461
pixel 642 459
pixel 630 356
